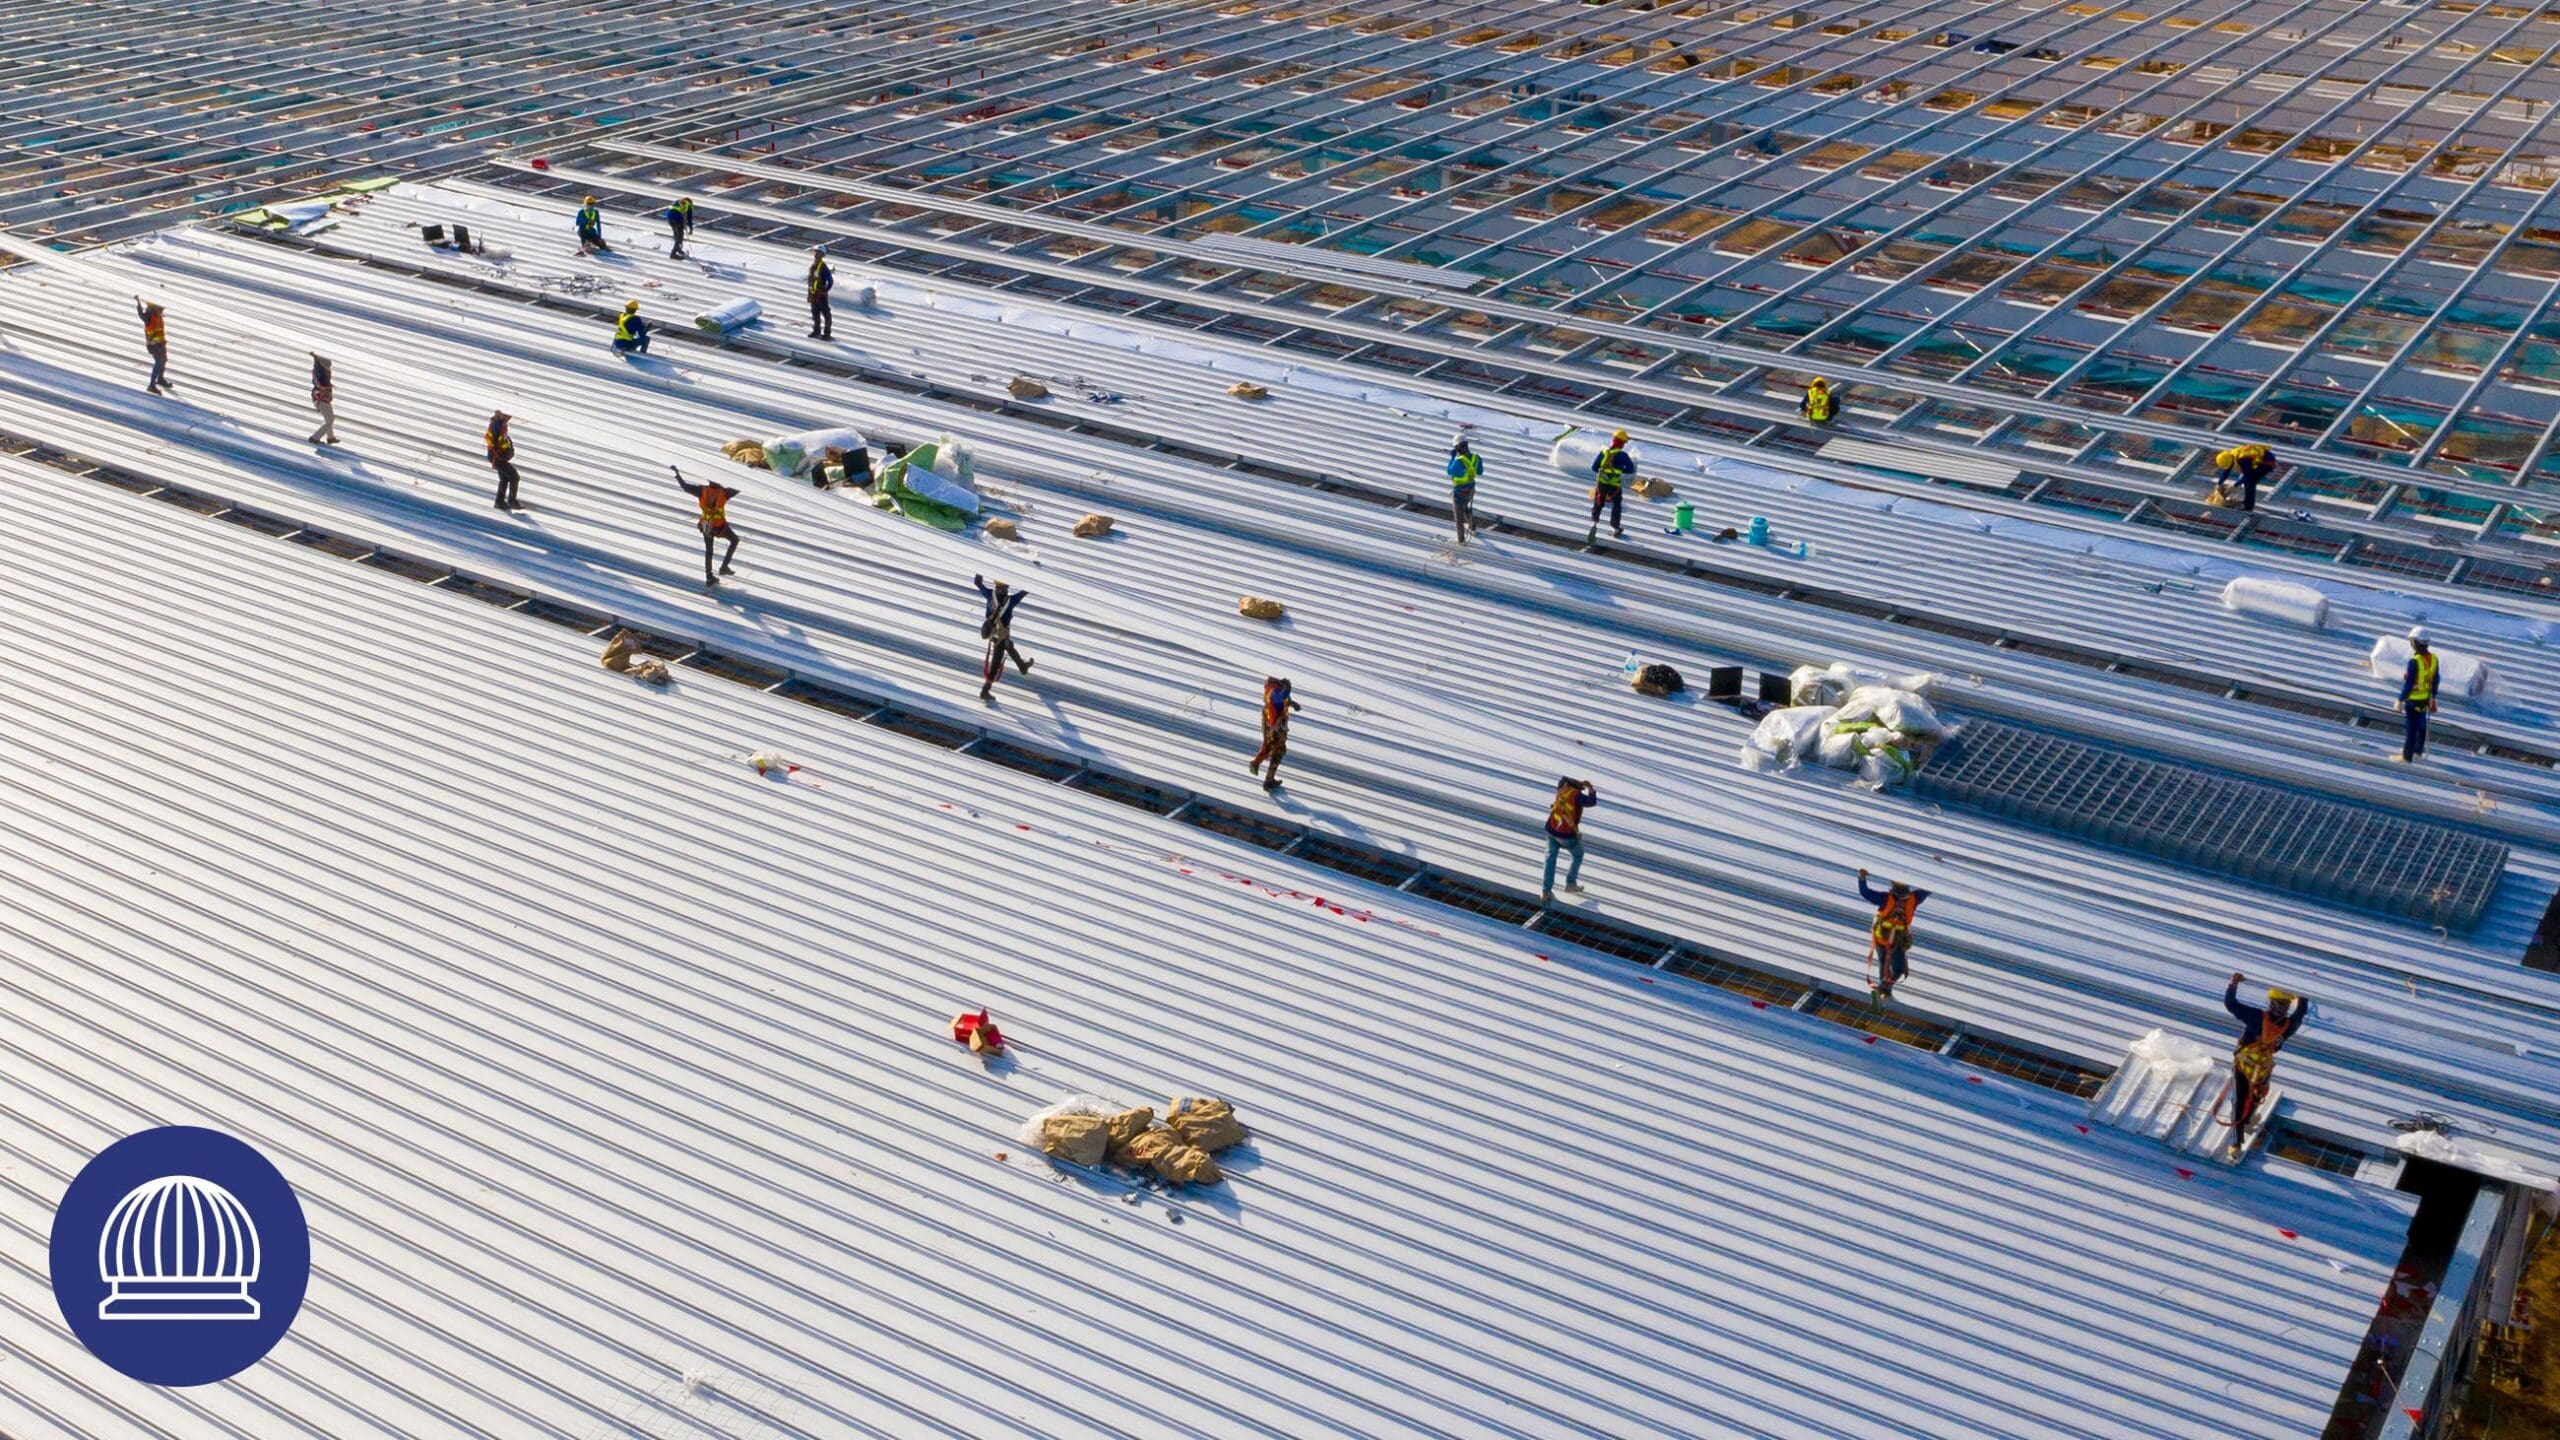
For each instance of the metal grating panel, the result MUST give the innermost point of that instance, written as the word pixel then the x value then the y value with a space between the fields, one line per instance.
pixel 2033 1066
pixel 1239 825
pixel 1506 905
pixel 923 727
pixel 1604 936
pixel 1896 1025
pixel 2347 854
pixel 1360 860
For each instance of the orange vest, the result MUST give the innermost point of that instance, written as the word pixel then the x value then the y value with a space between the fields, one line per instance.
pixel 155 328
pixel 715 507
pixel 502 446
pixel 1893 919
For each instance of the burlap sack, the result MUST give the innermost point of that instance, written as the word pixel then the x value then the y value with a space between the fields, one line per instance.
pixel 1187 1165
pixel 1254 607
pixel 1128 1125
pixel 1076 1139
pixel 1650 488
pixel 1023 387
pixel 1209 1124
pixel 745 452
pixel 1247 390
pixel 1093 525
pixel 1001 529
pixel 1142 1151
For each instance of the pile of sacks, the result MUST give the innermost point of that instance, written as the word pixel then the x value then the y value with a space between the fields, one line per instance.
pixel 1847 718
pixel 1089 1130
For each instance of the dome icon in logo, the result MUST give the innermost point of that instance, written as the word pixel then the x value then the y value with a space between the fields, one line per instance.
pixel 179 1256
pixel 178 1248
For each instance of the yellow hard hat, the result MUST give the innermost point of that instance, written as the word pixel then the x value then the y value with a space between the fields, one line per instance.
pixel 1620 435
pixel 2279 997
pixel 1821 384
pixel 630 305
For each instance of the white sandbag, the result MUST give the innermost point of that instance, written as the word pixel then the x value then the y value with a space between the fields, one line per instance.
pixel 735 315
pixel 1864 706
pixel 947 481
pixel 1815 685
pixel 860 297
pixel 2279 600
pixel 791 454
pixel 1574 451
pixel 2458 676
pixel 1905 712
pixel 1884 765
pixel 1790 735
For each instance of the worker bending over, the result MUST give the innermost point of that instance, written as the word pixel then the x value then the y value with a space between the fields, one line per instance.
pixel 1279 700
pixel 1889 938
pixel 2250 465
pixel 679 225
pixel 1611 469
pixel 2253 1064
pixel 2417 694
pixel 713 522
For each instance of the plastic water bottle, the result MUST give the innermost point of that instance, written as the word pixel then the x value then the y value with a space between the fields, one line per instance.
pixel 1627 672
pixel 1801 552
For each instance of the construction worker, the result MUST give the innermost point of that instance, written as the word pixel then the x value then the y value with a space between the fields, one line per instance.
pixel 679 225
pixel 155 339
pixel 1889 938
pixel 714 499
pixel 2253 1064
pixel 2250 465
pixel 591 228
pixel 631 333
pixel 2417 695
pixel 1278 702
pixel 324 398
pixel 1611 469
pixel 997 630
pixel 500 444
pixel 822 316
pixel 1564 833
pixel 1819 403
pixel 1465 468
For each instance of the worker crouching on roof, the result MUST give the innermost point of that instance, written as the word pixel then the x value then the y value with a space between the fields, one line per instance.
pixel 1611 469
pixel 1819 403
pixel 2417 695
pixel 1889 938
pixel 714 498
pixel 1279 701
pixel 631 333
pixel 155 342
pixel 591 228
pixel 2253 1064
pixel 1564 833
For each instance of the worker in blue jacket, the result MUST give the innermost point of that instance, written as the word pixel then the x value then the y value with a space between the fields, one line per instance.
pixel 591 227
pixel 631 333
pixel 2253 1063
pixel 679 225
pixel 1466 467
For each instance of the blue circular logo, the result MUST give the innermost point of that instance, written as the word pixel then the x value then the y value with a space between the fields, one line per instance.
pixel 179 1256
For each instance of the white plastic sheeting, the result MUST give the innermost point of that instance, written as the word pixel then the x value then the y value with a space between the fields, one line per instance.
pixel 734 315
pixel 2458 676
pixel 791 454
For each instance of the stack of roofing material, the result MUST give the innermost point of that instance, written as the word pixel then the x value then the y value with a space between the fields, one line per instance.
pixel 2344 853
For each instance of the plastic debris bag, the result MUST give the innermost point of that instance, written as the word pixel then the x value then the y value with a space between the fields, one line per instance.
pixel 1903 711
pixel 1790 735
pixel 2279 600
pixel 1838 750
pixel 2458 676
pixel 1815 685
pixel 1885 764
pixel 791 454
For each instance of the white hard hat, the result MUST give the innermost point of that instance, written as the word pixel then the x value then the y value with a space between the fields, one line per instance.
pixel 2417 634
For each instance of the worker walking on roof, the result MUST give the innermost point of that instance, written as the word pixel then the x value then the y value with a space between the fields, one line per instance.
pixel 679 225
pixel 155 339
pixel 822 315
pixel 996 628
pixel 713 522
pixel 1889 938
pixel 2253 1064
pixel 631 333
pixel 2417 695
pixel 1819 404
pixel 2250 465
pixel 591 228
pixel 1564 834
pixel 500 443
pixel 1279 700
pixel 324 398
pixel 1465 468
pixel 1611 469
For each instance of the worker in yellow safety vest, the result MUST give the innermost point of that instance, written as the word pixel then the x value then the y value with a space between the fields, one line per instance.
pixel 2248 464
pixel 631 333
pixel 822 315
pixel 1465 468
pixel 679 225
pixel 499 443
pixel 1819 404
pixel 1611 469
pixel 2253 1063
pixel 1889 938
pixel 2417 695
pixel 591 227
